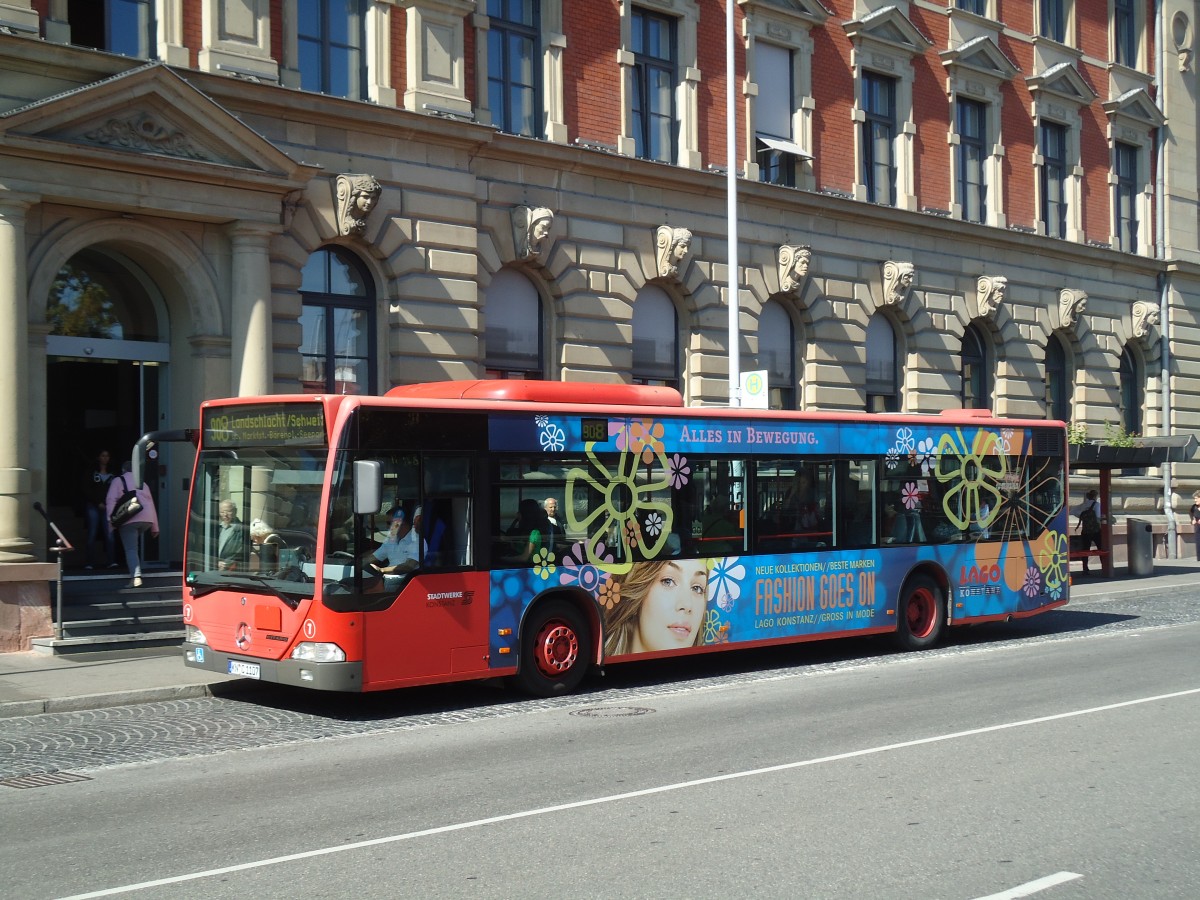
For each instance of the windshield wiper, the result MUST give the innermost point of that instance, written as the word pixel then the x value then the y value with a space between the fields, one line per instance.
pixel 292 602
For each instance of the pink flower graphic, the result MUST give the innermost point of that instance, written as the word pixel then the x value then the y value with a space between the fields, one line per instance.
pixel 680 471
pixel 911 496
pixel 1033 582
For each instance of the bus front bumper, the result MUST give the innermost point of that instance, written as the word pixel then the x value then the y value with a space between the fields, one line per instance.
pixel 326 676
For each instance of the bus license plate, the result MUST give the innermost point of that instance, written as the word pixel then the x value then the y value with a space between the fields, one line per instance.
pixel 245 669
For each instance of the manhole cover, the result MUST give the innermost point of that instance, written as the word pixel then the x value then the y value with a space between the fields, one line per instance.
pixel 612 712
pixel 43 779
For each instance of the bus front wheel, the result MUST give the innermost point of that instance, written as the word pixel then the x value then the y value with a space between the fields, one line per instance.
pixel 555 646
pixel 921 618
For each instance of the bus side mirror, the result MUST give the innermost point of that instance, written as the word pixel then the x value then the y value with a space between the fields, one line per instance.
pixel 368 486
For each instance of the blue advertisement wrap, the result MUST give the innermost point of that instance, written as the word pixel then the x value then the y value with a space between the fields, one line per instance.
pixel 650 599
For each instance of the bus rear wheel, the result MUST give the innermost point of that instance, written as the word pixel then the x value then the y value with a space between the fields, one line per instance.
pixel 555 646
pixel 921 618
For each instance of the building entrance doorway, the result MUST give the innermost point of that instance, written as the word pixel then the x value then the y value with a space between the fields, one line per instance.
pixel 105 386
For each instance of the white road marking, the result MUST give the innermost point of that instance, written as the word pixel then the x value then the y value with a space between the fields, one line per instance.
pixel 1032 887
pixel 629 795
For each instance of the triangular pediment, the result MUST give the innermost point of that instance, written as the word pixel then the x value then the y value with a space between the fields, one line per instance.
pixel 891 27
pixel 810 12
pixel 1064 82
pixel 1135 106
pixel 148 112
pixel 982 57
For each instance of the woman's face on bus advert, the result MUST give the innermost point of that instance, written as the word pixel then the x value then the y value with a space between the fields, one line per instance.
pixel 673 611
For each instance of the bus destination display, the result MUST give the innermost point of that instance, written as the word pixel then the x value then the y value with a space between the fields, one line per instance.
pixel 291 424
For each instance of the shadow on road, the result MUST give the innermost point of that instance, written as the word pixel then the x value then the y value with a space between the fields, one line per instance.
pixel 480 696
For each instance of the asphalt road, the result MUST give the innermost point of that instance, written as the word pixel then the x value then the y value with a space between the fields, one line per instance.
pixel 1056 757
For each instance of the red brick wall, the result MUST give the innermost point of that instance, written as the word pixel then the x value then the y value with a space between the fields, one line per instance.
pixel 592 89
pixel 833 94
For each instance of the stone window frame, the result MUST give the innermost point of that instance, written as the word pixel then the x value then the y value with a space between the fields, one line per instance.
pixel 788 25
pixel 1068 19
pixel 987 361
pixel 794 387
pixel 376 50
pixel 687 16
pixel 978 70
pixel 1138 26
pixel 887 43
pixel 552 44
pixel 1132 119
pixel 238 45
pixel 1059 95
pixel 166 41
pixel 1066 386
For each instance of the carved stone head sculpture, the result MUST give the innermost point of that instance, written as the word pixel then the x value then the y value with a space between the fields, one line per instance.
pixel 672 245
pixel 357 195
pixel 991 291
pixel 1071 305
pixel 898 281
pixel 531 226
pixel 1145 317
pixel 793 266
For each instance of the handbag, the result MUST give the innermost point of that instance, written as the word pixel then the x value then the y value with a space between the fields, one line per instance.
pixel 127 506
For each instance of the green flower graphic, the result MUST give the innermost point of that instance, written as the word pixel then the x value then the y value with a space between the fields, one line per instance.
pixel 625 503
pixel 1053 558
pixel 980 468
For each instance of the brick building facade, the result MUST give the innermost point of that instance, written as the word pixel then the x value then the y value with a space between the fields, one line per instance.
pixel 940 204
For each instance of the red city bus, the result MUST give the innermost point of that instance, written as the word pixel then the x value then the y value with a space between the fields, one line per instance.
pixel 356 543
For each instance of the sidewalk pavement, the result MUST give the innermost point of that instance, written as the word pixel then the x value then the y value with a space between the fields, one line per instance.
pixel 32 683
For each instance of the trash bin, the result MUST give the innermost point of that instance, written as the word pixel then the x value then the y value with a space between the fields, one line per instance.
pixel 1139 538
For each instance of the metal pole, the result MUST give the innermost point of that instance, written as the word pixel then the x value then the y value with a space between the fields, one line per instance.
pixel 735 376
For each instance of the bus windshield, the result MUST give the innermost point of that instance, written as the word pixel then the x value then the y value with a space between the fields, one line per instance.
pixel 253 520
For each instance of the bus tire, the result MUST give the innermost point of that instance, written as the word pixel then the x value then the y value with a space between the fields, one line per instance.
pixel 555 646
pixel 921 616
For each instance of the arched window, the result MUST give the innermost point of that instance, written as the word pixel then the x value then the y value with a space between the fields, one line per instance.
pixel 1132 392
pixel 976 370
pixel 337 323
pixel 777 354
pixel 1058 381
pixel 883 374
pixel 513 313
pixel 655 338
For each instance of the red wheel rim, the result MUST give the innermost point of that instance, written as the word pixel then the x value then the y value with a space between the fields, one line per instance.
pixel 557 649
pixel 921 613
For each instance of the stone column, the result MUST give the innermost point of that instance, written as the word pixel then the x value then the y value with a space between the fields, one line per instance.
pixel 251 308
pixel 15 487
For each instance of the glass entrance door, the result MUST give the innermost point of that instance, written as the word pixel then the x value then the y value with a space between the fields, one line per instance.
pixel 99 404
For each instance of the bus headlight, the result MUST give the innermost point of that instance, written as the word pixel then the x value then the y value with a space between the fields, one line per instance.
pixel 311 651
pixel 194 635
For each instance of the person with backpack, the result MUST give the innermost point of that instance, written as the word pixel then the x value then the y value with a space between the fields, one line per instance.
pixel 1090 520
pixel 1194 514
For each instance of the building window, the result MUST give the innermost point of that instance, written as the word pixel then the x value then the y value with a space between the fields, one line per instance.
pixel 337 323
pixel 976 370
pixel 1053 141
pixel 1125 162
pixel 514 65
pixel 655 338
pixel 1058 387
pixel 878 138
pixel 1125 33
pixel 883 374
pixel 777 355
pixel 330 39
pixel 513 313
pixel 1132 393
pixel 1054 20
pixel 118 26
pixel 979 7
pixel 654 79
pixel 972 157
pixel 774 111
